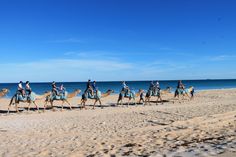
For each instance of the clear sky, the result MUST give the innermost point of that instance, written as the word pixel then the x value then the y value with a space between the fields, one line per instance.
pixel 73 40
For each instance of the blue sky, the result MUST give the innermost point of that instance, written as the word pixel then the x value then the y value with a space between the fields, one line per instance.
pixel 73 40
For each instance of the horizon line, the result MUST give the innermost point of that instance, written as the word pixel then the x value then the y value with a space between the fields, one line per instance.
pixel 125 80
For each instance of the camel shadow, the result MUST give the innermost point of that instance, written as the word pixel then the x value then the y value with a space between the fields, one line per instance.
pixel 6 111
pixel 90 105
pixel 66 107
pixel 163 101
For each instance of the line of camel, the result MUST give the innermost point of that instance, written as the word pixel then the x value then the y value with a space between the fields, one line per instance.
pixel 47 97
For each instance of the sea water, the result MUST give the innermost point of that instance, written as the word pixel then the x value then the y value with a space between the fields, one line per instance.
pixel 40 88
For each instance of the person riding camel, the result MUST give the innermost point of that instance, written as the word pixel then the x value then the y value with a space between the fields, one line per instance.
pixel 180 87
pixel 151 87
pixel 157 85
pixel 62 89
pixel 54 88
pixel 94 87
pixel 125 88
pixel 157 88
pixel 21 89
pixel 28 88
pixel 142 96
pixel 89 88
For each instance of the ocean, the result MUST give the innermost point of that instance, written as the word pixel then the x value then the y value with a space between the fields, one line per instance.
pixel 40 88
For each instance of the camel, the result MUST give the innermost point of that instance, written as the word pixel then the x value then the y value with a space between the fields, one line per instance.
pixel 32 98
pixel 150 93
pixel 166 91
pixel 97 97
pixel 130 96
pixel 64 98
pixel 4 92
pixel 184 93
pixel 156 93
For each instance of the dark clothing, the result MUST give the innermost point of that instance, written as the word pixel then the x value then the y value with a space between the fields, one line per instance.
pixel 54 86
pixel 192 93
pixel 151 87
pixel 54 89
pixel 22 92
pixel 180 85
pixel 28 91
pixel 94 87
pixel 88 85
pixel 88 88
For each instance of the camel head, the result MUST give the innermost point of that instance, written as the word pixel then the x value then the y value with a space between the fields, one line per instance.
pixel 110 91
pixel 47 92
pixel 77 91
pixel 168 89
pixel 191 88
pixel 140 90
pixel 5 90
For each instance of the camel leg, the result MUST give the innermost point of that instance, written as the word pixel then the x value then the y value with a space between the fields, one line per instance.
pixel 84 105
pixel 45 105
pixel 36 105
pixel 51 102
pixel 95 103
pixel 135 102
pixel 62 105
pixel 157 100
pixel 81 104
pixel 16 106
pixel 188 96
pixel 118 101
pixel 100 103
pixel 121 102
pixel 9 106
pixel 29 106
pixel 68 104
pixel 145 101
pixel 160 100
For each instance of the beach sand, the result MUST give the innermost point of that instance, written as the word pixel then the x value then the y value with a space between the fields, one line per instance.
pixel 205 126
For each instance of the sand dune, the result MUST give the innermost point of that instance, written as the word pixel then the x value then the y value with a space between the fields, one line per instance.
pixel 205 126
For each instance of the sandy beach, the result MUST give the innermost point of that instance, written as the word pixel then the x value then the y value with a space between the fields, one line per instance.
pixel 205 126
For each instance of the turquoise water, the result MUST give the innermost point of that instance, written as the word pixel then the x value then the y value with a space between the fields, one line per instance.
pixel 40 88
